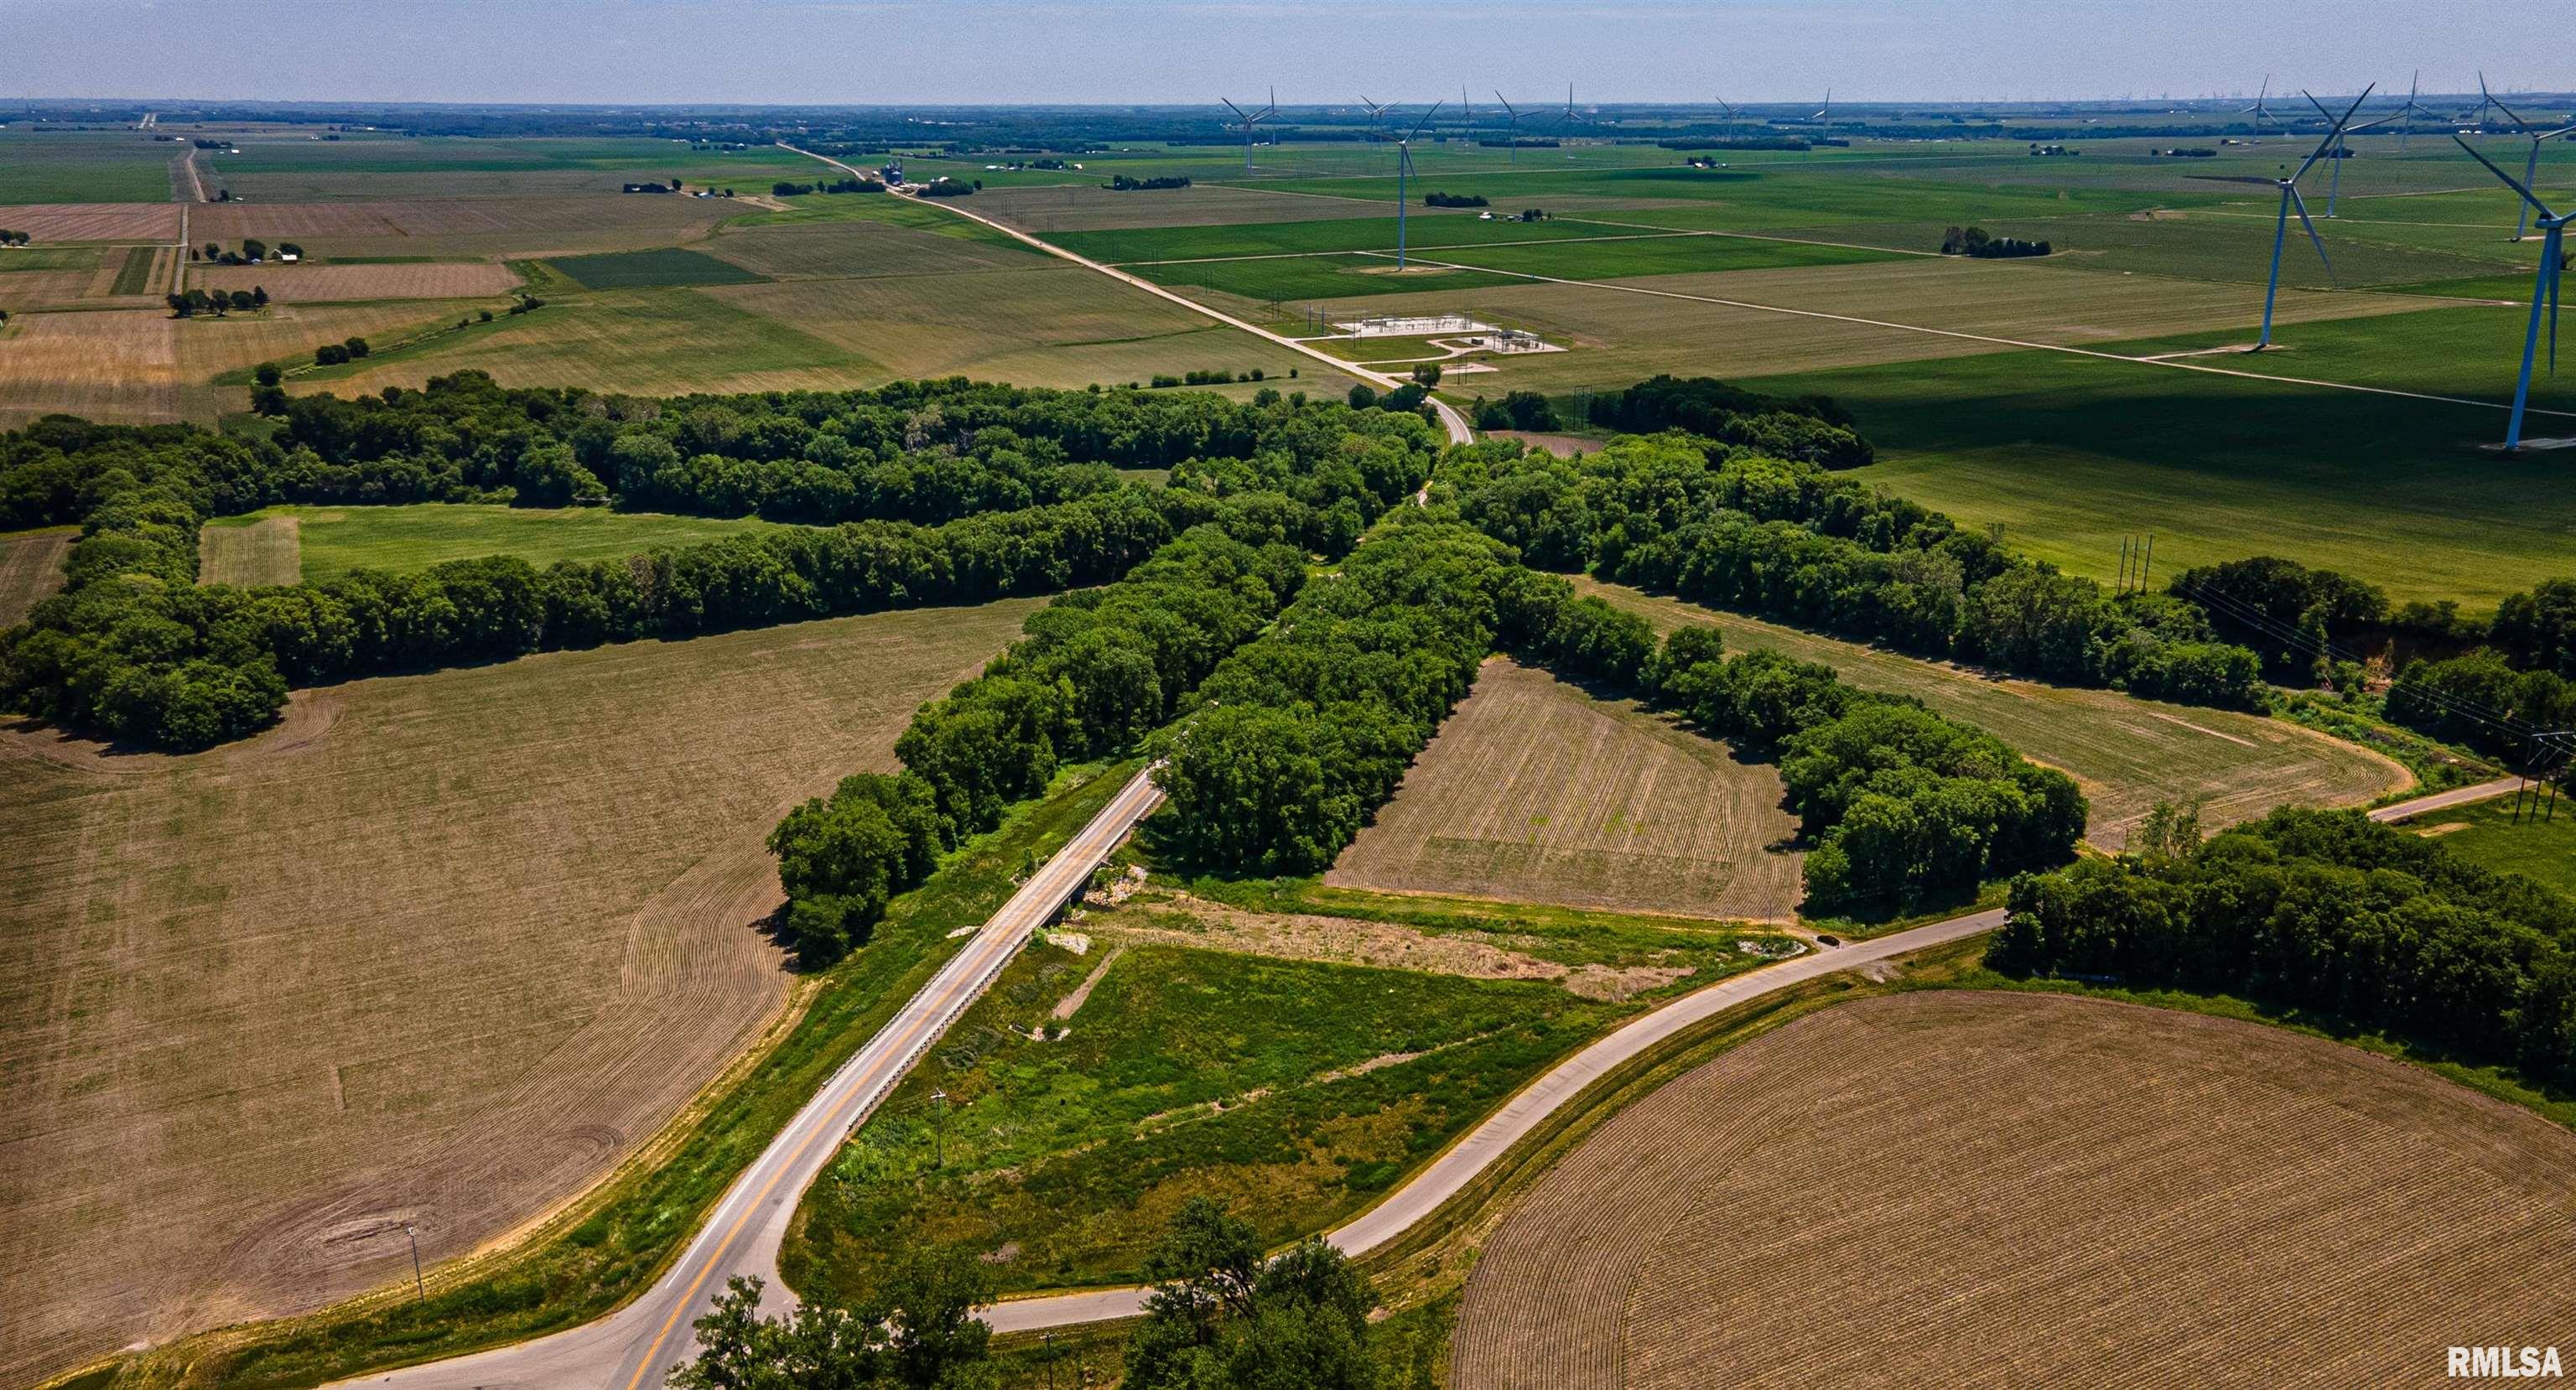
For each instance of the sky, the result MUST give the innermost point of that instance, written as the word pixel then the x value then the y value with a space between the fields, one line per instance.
pixel 917 52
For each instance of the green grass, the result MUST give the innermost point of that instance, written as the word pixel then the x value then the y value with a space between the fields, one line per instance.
pixel 1317 277
pixel 1186 1072
pixel 52 258
pixel 84 167
pixel 1362 232
pixel 2068 454
pixel 2539 844
pixel 134 275
pixel 1650 255
pixel 606 1248
pixel 619 270
pixel 336 540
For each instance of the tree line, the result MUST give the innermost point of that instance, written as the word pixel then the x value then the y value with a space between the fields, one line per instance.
pixel 2323 911
pixel 1901 805
pixel 1733 529
pixel 1223 1316
pixel 1807 429
pixel 1096 671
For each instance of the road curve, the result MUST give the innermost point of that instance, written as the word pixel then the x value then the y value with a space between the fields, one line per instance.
pixel 634 1346
pixel 1450 419
pixel 1454 1169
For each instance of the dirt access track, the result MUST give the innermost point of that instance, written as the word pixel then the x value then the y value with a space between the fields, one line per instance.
pixel 1967 1188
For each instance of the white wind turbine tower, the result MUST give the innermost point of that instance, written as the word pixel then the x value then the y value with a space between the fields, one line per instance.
pixel 1251 119
pixel 2530 165
pixel 2334 183
pixel 1511 127
pixel 2290 200
pixel 2261 110
pixel 1403 175
pixel 2544 289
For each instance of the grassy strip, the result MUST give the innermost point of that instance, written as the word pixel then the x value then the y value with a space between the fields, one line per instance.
pixel 2438 766
pixel 607 1247
pixel 134 276
pixel 2540 843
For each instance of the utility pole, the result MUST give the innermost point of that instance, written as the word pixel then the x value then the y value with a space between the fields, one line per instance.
pixel 419 1290
pixel 939 1131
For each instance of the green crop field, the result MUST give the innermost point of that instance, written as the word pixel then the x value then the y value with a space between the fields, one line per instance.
pixel 84 166
pixel 328 541
pixel 1360 230
pixel 287 167
pixel 2126 754
pixel 1314 277
pixel 2068 454
pixel 626 270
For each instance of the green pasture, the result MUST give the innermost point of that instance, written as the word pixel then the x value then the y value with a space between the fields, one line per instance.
pixel 120 166
pixel 403 539
pixel 2541 843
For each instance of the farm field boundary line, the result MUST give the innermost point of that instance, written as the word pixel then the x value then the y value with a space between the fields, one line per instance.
pixel 1455 423
pixel 1990 338
pixel 1522 1115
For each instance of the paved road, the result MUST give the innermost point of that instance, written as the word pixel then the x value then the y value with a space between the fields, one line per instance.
pixel 634 1346
pixel 1453 1170
pixel 1450 418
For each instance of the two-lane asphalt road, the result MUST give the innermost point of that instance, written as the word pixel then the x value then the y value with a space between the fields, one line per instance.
pixel 634 1346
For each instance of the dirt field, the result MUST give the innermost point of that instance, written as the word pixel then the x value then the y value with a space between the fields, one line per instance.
pixel 859 249
pixel 267 551
pixel 1536 792
pixel 1996 1189
pixel 294 284
pixel 49 222
pixel 31 568
pixel 2127 754
pixel 462 226
pixel 107 365
pixel 440 949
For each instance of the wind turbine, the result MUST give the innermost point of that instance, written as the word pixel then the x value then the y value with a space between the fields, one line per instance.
pixel 2410 111
pixel 2544 286
pixel 1251 119
pixel 1729 110
pixel 2334 185
pixel 1466 115
pixel 1403 173
pixel 1571 115
pixel 2261 107
pixel 1511 126
pixel 2530 166
pixel 1827 109
pixel 2290 199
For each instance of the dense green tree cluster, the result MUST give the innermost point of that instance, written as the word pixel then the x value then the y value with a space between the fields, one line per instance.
pixel 1222 1317
pixel 1735 529
pixel 1517 410
pixel 1299 736
pixel 1809 429
pixel 917 451
pixel 1097 671
pixel 1900 804
pixel 2537 630
pixel 923 1334
pixel 2325 911
pixel 2479 699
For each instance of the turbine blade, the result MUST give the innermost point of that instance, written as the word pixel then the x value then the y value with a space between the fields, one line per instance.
pixel 1237 110
pixel 2509 180
pixel 2557 271
pixel 1498 96
pixel 2234 178
pixel 1426 118
pixel 2312 101
pixel 2313 239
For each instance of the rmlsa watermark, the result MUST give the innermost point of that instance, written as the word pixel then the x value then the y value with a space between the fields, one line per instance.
pixel 2505 1363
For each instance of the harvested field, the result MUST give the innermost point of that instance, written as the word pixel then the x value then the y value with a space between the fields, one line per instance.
pixel 463 226
pixel 263 1005
pixel 2127 754
pixel 107 365
pixel 1956 1188
pixel 23 290
pixel 296 284
pixel 130 222
pixel 1536 792
pixel 267 551
pixel 31 568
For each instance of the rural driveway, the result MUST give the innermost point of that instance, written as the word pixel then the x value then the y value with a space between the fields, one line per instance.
pixel 634 1346
pixel 1450 420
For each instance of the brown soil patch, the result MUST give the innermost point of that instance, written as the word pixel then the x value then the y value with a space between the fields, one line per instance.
pixel 1209 926
pixel 1535 792
pixel 297 284
pixel 1992 1189
pixel 31 569
pixel 94 221
pixel 1072 1003
pixel 440 948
